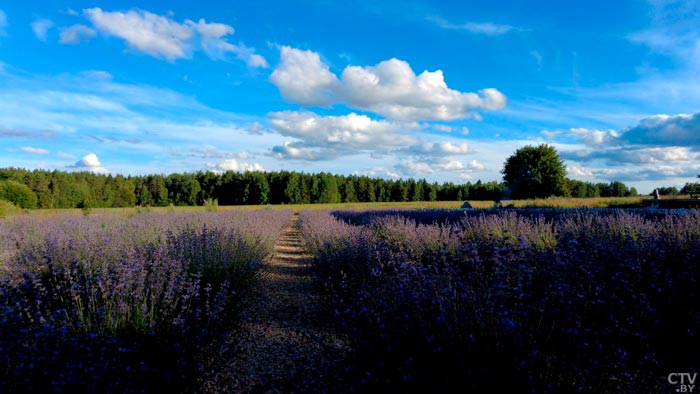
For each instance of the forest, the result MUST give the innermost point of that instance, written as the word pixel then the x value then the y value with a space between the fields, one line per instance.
pixel 30 189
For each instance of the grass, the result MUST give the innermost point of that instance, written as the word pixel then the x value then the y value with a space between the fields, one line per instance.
pixel 8 209
pixel 554 202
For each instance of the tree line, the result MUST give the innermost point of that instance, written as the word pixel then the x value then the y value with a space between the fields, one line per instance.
pixel 57 189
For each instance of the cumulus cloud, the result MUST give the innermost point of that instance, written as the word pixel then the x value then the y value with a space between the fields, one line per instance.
pixel 34 151
pixel 234 165
pixel 484 28
pixel 658 147
pixel 666 130
pixel 579 172
pixel 297 151
pixel 415 169
pixel 90 163
pixel 164 38
pixel 153 34
pixel 343 134
pixel 442 127
pixel 451 165
pixel 444 148
pixel 303 78
pixel 458 166
pixel 476 166
pixel 390 88
pixel 76 34
pixel 381 172
pixel 40 27
pixel 654 131
pixel 658 155
pixel 590 137
pixel 256 129
pixel 430 165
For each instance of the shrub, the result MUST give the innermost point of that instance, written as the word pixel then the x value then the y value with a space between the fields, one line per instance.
pixel 18 194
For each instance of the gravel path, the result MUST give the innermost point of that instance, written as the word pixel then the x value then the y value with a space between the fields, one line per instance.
pixel 285 345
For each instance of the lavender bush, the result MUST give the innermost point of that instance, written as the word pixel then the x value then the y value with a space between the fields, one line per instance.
pixel 119 305
pixel 532 301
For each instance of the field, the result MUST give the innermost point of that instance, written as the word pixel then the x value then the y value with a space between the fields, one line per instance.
pixel 554 202
pixel 434 299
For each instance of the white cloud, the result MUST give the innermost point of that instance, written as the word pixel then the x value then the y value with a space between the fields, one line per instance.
pixel 589 137
pixel 658 155
pixel 485 28
pixel 40 27
pixel 303 78
pixel 444 148
pixel 210 152
pixel 90 163
pixel 162 37
pixel 415 169
pixel 476 166
pixel 153 34
pixel 234 165
pixel 348 133
pixel 382 172
pixel 298 151
pixel 76 34
pixel 579 172
pixel 390 89
pixel 442 127
pixel 459 167
pixel 256 129
pixel 34 151
pixel 451 165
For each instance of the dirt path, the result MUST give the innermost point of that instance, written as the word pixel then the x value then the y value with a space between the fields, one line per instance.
pixel 284 344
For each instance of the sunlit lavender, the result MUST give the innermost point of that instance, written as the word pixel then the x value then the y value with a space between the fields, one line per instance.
pixel 123 304
pixel 529 300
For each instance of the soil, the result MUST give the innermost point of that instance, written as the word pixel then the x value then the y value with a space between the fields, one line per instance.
pixel 286 343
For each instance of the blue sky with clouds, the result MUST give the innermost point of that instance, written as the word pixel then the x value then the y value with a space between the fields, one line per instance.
pixel 442 90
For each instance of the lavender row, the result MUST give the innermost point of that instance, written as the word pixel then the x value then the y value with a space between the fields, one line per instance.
pixel 117 304
pixel 569 302
pixel 448 215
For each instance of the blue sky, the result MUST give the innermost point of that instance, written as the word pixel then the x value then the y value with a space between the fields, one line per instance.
pixel 442 90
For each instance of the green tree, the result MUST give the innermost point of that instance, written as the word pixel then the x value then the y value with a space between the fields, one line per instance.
pixel 18 194
pixel 535 172
pixel 183 189
pixel 292 191
pixel 365 190
pixel 349 190
pixel 257 189
pixel 328 190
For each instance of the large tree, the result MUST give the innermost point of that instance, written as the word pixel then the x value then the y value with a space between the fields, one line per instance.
pixel 535 172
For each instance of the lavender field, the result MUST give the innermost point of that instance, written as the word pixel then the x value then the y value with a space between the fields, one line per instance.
pixel 108 304
pixel 526 300
pixel 596 301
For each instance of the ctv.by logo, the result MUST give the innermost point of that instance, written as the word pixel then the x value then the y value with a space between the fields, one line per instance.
pixel 683 382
